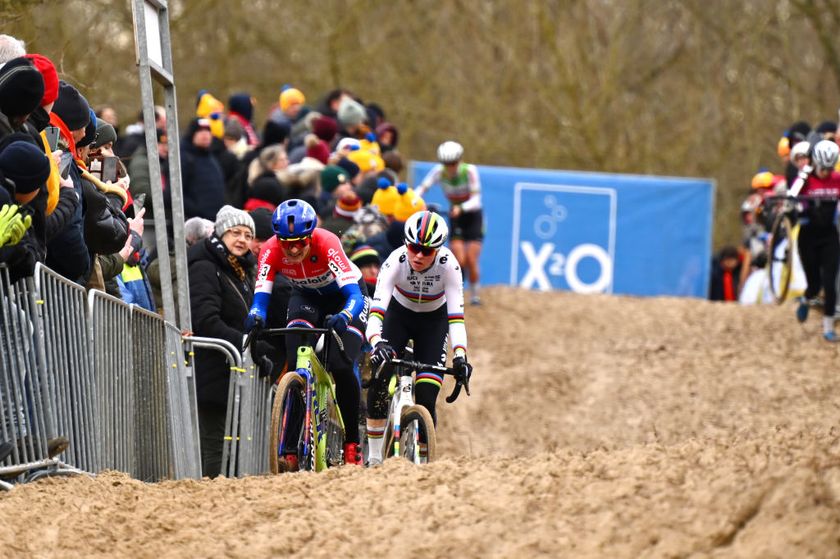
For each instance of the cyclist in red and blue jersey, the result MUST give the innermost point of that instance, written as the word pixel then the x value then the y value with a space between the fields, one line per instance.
pixel 324 282
pixel 419 296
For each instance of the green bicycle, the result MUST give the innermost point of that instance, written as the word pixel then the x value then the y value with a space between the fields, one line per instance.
pixel 307 430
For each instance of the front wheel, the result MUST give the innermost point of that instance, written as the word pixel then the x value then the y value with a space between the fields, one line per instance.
pixel 417 442
pixel 780 257
pixel 287 439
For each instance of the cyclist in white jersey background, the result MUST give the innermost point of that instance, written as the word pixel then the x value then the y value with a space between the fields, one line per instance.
pixel 462 187
pixel 419 296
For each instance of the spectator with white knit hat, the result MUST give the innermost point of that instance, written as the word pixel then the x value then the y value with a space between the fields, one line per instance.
pixel 221 275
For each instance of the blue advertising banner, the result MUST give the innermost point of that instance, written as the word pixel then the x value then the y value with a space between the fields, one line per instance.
pixel 592 232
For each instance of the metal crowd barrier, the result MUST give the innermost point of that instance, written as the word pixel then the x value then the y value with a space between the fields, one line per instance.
pixel 25 419
pixel 248 419
pixel 69 367
pixel 110 377
pixel 114 373
pixel 166 416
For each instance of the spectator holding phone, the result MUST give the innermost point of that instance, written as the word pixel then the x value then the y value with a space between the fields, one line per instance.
pixel 67 251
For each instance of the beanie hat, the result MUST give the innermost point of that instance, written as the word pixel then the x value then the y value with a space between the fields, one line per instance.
pixel 275 132
pixel 71 107
pixel 26 165
pixel 262 223
pixel 21 87
pixel 229 217
pixel 50 76
pixel 348 143
pixel 332 176
pixel 363 255
pixel 351 168
pixel 290 96
pixel 409 204
pixel 351 113
pixel 325 128
pixel 826 127
pixel 348 204
pixel 317 149
pixel 366 160
pixel 105 133
pixel 207 105
pixel 386 198
pixel 90 131
pixel 241 103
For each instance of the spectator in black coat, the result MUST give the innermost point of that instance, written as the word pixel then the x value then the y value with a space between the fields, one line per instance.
pixel 203 181
pixel 726 271
pixel 67 252
pixel 221 274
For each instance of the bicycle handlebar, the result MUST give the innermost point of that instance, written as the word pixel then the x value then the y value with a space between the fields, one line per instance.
pixel 799 198
pixel 303 330
pixel 404 367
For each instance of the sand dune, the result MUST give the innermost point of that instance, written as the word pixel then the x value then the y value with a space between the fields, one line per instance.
pixel 598 427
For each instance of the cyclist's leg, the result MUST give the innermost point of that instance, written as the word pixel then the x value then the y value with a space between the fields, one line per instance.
pixel 810 261
pixel 429 332
pixel 394 332
pixel 347 389
pixel 830 259
pixel 473 234
pixel 303 313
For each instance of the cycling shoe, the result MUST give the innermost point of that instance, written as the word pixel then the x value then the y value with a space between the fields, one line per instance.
pixel 802 310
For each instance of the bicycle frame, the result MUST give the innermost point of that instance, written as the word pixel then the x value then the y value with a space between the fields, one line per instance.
pixel 319 388
pixel 402 397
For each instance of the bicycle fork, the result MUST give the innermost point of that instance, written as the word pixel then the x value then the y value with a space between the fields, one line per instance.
pixel 404 399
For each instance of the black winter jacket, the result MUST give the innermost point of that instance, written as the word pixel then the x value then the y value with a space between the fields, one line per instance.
pixel 203 182
pixel 67 252
pixel 219 303
pixel 106 227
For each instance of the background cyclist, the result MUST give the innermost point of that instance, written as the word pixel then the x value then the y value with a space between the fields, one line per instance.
pixel 419 296
pixel 324 282
pixel 462 187
pixel 818 243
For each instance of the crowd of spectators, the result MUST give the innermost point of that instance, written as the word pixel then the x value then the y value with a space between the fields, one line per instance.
pixel 59 204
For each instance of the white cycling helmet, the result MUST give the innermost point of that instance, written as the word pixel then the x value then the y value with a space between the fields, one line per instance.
pixel 450 152
pixel 426 229
pixel 825 154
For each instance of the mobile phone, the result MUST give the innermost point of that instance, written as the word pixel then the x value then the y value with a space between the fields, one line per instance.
pixel 64 165
pixel 51 132
pixel 109 169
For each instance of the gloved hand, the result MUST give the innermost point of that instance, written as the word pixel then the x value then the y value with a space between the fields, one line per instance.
pixel 265 366
pixel 13 225
pixel 462 368
pixel 382 353
pixel 260 349
pixel 254 322
pixel 338 322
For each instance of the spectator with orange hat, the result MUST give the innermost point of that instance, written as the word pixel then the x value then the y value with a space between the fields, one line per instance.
pixel 343 213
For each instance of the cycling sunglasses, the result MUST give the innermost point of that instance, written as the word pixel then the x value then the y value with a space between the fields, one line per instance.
pixel 420 249
pixel 297 243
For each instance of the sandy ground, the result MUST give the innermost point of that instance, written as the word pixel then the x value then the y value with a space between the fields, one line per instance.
pixel 598 427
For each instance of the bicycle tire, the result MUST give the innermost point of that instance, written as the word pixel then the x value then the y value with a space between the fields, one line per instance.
pixel 424 419
pixel 780 232
pixel 290 384
pixel 332 449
